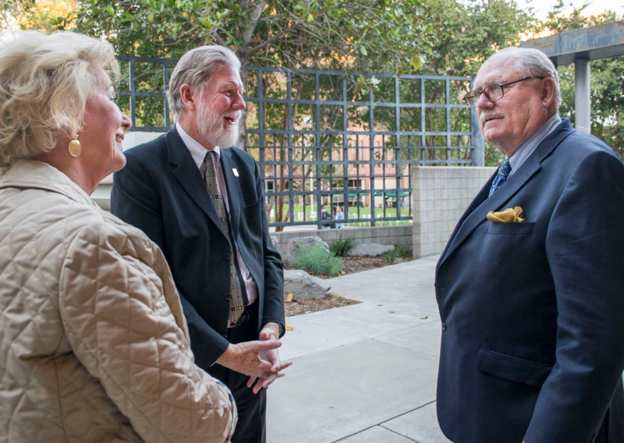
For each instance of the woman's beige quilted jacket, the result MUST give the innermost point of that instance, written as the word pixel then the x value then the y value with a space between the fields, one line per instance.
pixel 93 343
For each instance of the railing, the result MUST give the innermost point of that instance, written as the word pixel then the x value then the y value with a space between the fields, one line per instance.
pixel 325 139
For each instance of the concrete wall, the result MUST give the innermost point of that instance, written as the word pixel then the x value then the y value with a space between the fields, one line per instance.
pixel 385 235
pixel 136 138
pixel 440 195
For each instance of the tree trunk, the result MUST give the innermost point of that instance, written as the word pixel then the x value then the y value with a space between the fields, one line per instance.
pixel 244 59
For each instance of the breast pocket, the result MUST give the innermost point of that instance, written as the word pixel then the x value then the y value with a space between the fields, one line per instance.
pixel 523 228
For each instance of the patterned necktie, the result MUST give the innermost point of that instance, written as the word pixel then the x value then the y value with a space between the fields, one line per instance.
pixel 236 294
pixel 501 177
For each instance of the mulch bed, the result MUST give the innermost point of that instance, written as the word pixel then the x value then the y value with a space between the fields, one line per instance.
pixel 298 307
pixel 350 265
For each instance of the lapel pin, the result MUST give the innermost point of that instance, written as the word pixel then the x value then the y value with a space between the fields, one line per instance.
pixel 235 171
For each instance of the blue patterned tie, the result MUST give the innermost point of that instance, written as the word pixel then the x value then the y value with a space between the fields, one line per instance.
pixel 501 177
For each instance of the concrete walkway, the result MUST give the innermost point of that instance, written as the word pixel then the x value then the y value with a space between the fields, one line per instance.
pixel 364 373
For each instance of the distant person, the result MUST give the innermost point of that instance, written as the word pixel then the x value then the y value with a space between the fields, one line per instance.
pixel 530 286
pixel 201 199
pixel 326 219
pixel 339 216
pixel 93 343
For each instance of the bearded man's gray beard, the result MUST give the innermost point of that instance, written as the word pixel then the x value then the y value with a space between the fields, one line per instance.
pixel 210 126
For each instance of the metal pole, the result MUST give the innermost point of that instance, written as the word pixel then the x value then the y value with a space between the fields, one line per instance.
pixel 132 95
pixel 582 99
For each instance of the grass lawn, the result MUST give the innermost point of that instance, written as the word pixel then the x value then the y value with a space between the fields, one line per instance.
pixel 351 212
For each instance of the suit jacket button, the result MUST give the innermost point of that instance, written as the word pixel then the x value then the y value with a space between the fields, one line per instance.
pixel 443 326
pixel 226 256
pixel 227 296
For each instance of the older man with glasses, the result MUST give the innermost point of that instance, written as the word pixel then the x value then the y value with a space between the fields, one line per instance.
pixel 530 285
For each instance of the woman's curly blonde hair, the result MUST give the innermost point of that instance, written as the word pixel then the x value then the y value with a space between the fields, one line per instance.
pixel 45 81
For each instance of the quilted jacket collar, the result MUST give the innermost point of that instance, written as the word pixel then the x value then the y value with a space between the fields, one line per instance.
pixel 35 174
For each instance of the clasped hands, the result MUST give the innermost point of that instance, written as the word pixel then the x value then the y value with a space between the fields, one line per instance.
pixel 259 358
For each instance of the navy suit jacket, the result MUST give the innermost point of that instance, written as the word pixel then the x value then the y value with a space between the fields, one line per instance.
pixel 533 313
pixel 162 192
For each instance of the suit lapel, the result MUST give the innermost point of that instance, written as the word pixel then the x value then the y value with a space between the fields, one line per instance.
pixel 233 188
pixel 495 202
pixel 480 198
pixel 189 177
pixel 481 205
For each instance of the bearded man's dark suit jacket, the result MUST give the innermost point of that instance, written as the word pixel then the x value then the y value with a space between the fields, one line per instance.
pixel 533 313
pixel 162 192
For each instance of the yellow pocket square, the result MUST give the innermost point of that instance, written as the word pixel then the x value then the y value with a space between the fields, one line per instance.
pixel 509 215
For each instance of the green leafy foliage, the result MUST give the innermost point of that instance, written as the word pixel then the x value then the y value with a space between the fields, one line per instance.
pixel 433 37
pixel 402 250
pixel 391 256
pixel 342 246
pixel 353 36
pixel 469 32
pixel 42 15
pixel 464 34
pixel 316 260
pixel 285 33
pixel 606 77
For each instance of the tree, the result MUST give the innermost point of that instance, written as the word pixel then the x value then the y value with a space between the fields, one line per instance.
pixel 284 33
pixel 465 34
pixel 481 28
pixel 40 15
pixel 485 27
pixel 11 10
pixel 606 77
pixel 322 34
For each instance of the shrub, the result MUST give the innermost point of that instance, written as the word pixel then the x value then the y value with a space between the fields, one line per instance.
pixel 391 256
pixel 316 260
pixel 342 246
pixel 402 250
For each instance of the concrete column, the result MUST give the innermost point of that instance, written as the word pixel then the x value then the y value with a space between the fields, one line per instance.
pixel 478 151
pixel 582 100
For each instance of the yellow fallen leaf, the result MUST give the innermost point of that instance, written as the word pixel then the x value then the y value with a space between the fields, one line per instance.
pixel 289 328
pixel 380 304
pixel 425 317
pixel 391 312
pixel 289 297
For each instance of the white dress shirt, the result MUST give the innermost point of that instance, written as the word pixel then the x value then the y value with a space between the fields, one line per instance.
pixel 198 152
pixel 527 148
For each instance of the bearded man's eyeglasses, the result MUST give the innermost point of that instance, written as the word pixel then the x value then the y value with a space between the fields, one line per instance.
pixel 493 92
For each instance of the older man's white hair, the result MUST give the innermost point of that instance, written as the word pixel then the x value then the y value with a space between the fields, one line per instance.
pixel 528 62
pixel 195 68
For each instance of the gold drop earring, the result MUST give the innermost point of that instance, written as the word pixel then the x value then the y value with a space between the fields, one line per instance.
pixel 75 148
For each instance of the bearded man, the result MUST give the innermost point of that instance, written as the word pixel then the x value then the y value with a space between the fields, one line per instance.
pixel 202 202
pixel 530 284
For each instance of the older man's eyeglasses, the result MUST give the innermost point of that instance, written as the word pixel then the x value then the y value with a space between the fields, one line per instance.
pixel 493 92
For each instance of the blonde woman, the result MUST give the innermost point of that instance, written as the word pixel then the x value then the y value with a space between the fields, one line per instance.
pixel 94 346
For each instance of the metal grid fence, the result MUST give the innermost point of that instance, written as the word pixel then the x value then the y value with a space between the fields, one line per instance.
pixel 326 140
